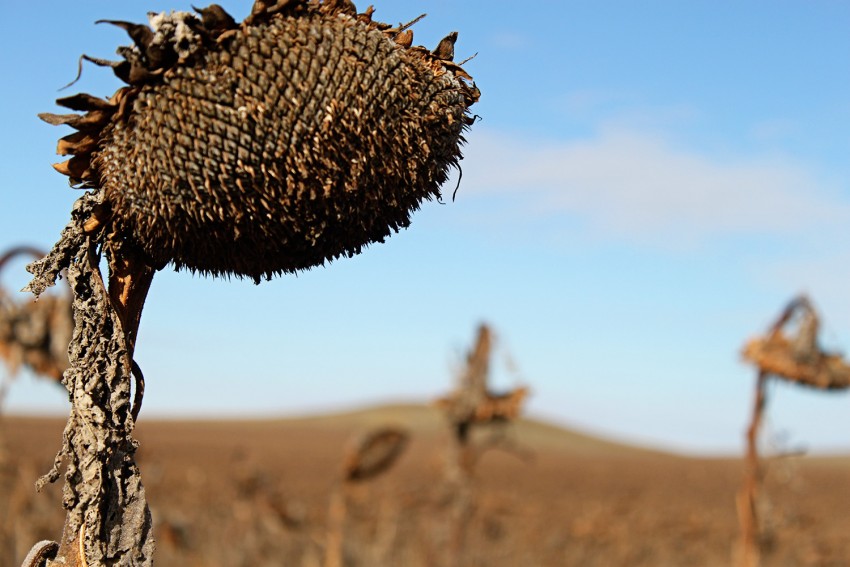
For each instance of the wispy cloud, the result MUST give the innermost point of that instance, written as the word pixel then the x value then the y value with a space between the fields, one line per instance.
pixel 509 40
pixel 631 184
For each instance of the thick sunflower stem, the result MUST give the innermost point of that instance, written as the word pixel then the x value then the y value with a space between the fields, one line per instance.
pixel 108 521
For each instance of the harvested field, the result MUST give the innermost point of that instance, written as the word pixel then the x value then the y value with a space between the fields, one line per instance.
pixel 240 493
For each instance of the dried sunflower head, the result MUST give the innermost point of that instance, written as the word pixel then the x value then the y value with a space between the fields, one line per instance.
pixel 34 334
pixel 374 453
pixel 297 136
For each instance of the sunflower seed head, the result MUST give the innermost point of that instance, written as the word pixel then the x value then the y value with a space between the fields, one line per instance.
pixel 301 135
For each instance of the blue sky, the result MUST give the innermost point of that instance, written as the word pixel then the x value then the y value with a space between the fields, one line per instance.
pixel 649 184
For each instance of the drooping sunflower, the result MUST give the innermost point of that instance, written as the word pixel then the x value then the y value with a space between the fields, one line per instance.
pixel 302 134
pixel 297 136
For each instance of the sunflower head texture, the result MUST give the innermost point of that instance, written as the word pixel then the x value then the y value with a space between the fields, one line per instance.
pixel 295 137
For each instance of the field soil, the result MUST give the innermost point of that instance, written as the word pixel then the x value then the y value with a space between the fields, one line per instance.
pixel 257 493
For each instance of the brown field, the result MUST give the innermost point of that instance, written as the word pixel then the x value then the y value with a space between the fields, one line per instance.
pixel 256 493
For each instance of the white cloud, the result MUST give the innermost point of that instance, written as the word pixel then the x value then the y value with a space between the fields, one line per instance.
pixel 625 183
pixel 510 40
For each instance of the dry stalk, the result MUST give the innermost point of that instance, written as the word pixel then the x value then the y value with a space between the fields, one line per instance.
pixel 368 457
pixel 108 521
pixel 748 552
pixel 473 405
pixel 337 513
pixel 796 358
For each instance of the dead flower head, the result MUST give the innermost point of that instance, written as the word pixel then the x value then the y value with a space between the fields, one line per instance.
pixel 297 136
